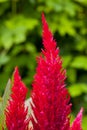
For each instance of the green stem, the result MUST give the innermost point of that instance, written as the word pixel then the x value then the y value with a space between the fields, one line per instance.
pixel 14 7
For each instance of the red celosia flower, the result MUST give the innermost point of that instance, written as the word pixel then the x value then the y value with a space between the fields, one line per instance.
pixel 50 98
pixel 77 122
pixel 15 111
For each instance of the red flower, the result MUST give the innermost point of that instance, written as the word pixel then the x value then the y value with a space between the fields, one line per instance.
pixel 50 98
pixel 15 111
pixel 77 122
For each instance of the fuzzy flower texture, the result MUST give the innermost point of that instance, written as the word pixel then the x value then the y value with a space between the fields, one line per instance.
pixel 15 112
pixel 50 104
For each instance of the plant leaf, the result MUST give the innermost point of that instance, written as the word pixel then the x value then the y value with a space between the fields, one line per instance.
pixel 80 62
pixel 77 89
pixel 4 103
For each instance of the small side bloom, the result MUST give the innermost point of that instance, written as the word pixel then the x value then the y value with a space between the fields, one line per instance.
pixel 77 124
pixel 15 112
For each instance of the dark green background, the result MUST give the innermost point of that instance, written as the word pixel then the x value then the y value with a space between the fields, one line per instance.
pixel 20 42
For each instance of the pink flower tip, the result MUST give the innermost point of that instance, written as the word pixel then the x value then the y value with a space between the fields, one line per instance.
pixel 78 121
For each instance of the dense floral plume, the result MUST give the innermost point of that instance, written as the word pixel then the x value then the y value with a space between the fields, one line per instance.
pixel 15 111
pixel 50 98
pixel 77 122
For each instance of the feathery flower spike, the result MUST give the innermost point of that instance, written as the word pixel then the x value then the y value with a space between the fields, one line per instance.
pixel 15 111
pixel 77 122
pixel 50 98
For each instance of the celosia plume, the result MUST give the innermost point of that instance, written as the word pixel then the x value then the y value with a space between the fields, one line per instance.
pixel 15 111
pixel 50 98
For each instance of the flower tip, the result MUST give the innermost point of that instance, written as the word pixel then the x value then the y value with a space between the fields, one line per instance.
pixel 16 73
pixel 44 20
pixel 82 109
pixel 16 69
pixel 80 113
pixel 77 122
pixel 43 16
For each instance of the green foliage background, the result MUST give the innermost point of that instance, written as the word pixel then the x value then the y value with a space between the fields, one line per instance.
pixel 20 42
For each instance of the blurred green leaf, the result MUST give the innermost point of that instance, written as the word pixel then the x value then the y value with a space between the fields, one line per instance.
pixel 84 2
pixel 3 6
pixel 54 5
pixel 15 30
pixel 3 59
pixel 21 22
pixel 80 62
pixel 81 44
pixel 77 89
pixel 71 75
pixel 66 60
pixel 30 48
pixel 6 38
pixel 84 122
pixel 1 1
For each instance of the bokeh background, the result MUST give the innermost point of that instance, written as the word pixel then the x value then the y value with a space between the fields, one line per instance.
pixel 20 42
